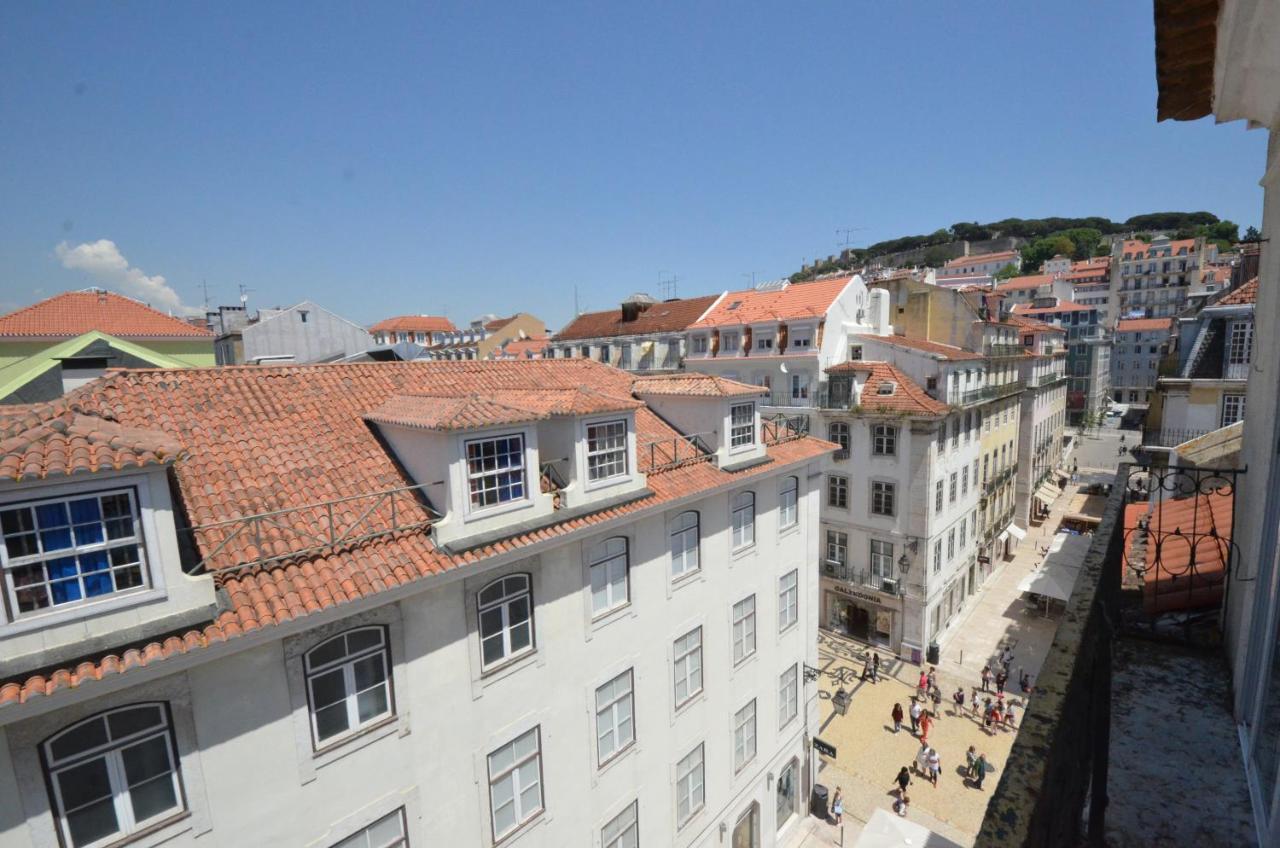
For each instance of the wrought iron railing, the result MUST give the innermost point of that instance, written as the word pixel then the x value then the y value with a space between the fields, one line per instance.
pixel 1178 557
pixel 1004 350
pixel 1170 437
pixel 778 428
pixel 665 454
pixel 296 531
pixel 1050 379
pixel 987 393
pixel 860 576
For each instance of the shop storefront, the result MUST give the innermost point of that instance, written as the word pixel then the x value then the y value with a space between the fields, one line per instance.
pixel 862 615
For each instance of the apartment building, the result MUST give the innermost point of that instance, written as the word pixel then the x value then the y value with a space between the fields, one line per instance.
pixel 1090 281
pixel 780 336
pixel 436 603
pixel 1207 387
pixel 1138 346
pixel 1152 280
pixel 422 330
pixel 896 561
pixel 1088 353
pixel 1025 289
pixel 978 269
pixel 485 337
pixel 1043 417
pixel 643 335
pixel 62 342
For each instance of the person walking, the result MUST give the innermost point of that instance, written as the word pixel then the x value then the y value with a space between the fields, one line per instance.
pixel 986 677
pixel 903 780
pixel 1009 718
pixel 926 723
pixel 922 687
pixel 974 706
pixel 914 711
pixel 986 714
pixel 935 694
pixel 1001 679
pixel 875 667
pixel 932 679
pixel 837 806
pixel 935 766
pixel 866 669
pixel 922 760
pixel 970 757
pixel 980 769
pixel 897 717
pixel 958 698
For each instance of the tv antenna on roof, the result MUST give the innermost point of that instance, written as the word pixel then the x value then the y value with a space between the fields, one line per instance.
pixel 244 295
pixel 204 287
pixel 847 241
pixel 667 287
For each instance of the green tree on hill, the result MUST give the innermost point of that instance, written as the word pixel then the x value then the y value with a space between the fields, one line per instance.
pixel 1008 272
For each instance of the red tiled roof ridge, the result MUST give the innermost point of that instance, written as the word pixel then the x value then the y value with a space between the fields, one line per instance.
pixel 791 302
pixel 980 258
pixel 1247 293
pixel 1026 281
pixel 417 323
pixel 667 316
pixel 908 397
pixel 696 383
pixel 75 313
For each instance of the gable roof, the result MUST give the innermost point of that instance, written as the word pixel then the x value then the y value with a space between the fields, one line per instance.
pixel 982 259
pixel 671 316
pixel 694 384
pixel 791 302
pixel 76 313
pixel 1035 326
pixel 1247 293
pixel 907 396
pixel 938 349
pixel 288 439
pixel 528 348
pixel 1030 281
pixel 476 411
pixel 1060 306
pixel 414 324
pixel 1140 325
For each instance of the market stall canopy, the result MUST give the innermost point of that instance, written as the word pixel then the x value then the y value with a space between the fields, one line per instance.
pixel 1086 509
pixel 1056 577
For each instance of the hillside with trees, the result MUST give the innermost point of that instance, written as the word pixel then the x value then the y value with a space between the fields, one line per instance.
pixel 1079 238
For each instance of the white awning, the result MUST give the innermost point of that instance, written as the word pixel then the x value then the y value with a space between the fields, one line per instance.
pixel 1047 494
pixel 1003 537
pixel 1017 532
pixel 1056 577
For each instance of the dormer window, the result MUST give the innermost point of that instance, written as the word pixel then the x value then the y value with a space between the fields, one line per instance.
pixel 801 338
pixel 496 470
pixel 764 343
pixel 887 387
pixel 730 342
pixel 606 450
pixel 71 550
pixel 855 353
pixel 699 344
pixel 742 421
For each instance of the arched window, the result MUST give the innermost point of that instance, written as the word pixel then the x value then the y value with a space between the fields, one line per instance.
pixel 744 520
pixel 506 619
pixel 608 563
pixel 788 509
pixel 684 544
pixel 114 774
pixel 349 683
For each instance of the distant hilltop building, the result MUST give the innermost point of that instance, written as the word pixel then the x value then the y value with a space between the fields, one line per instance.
pixel 63 342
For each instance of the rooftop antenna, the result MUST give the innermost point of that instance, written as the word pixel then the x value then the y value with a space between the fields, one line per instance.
pixel 667 288
pixel 244 295
pixel 204 287
pixel 752 277
pixel 576 310
pixel 847 240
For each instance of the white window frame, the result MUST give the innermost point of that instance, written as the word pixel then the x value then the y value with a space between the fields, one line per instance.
pixel 745 741
pixel 743 521
pixel 744 629
pixel 9 607
pixel 347 663
pixel 623 830
pixel 742 434
pixel 789 502
pixel 111 753
pixel 613 455
pixel 880 558
pixel 474 477
pixel 615 717
pixel 788 599
pixel 1233 406
pixel 686 559
pixel 691 789
pixel 837 547
pixel 686 666
pixel 400 841
pixel 512 771
pixel 504 603
pixel 609 569
pixel 788 695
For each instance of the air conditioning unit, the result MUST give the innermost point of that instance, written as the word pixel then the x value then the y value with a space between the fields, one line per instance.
pixel 888 586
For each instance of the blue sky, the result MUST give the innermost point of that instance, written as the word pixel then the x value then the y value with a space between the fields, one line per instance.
pixel 395 158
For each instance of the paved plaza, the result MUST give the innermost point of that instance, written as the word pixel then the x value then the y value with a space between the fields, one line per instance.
pixel 869 753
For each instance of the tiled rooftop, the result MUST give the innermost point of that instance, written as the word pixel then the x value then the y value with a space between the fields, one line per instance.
pixel 671 316
pixel 1061 306
pixel 1030 281
pixel 906 397
pixel 1033 325
pixel 982 259
pixel 73 314
pixel 414 324
pixel 1247 293
pixel 942 351
pixel 791 302
pixel 695 384
pixel 261 439
pixel 1142 325
pixel 43 440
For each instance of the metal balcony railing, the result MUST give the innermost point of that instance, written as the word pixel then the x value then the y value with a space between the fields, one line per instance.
pixel 1050 379
pixel 998 350
pixel 778 428
pixel 987 393
pixel 861 577
pixel 665 454
pixel 1170 437
pixel 1179 556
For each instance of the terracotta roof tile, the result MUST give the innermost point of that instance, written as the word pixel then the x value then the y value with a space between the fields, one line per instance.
pixel 1171 528
pixel 791 302
pixel 671 316
pixel 1140 325
pixel 44 440
pixel 1032 324
pixel 906 397
pixel 530 348
pixel 1061 306
pixel 695 384
pixel 75 313
pixel 942 351
pixel 1247 293
pixel 414 324
pixel 982 259
pixel 1030 281
pixel 261 439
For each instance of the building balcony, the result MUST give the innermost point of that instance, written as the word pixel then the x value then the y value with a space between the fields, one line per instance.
pixel 1046 380
pixel 1002 350
pixel 989 393
pixel 1170 437
pixel 860 577
pixel 1140 632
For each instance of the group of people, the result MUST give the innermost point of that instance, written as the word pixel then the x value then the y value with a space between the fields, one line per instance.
pixel 871 667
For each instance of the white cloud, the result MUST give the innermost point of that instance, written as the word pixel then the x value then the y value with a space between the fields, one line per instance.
pixel 103 261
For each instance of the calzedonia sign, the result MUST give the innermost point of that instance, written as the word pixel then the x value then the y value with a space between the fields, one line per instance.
pixel 862 596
